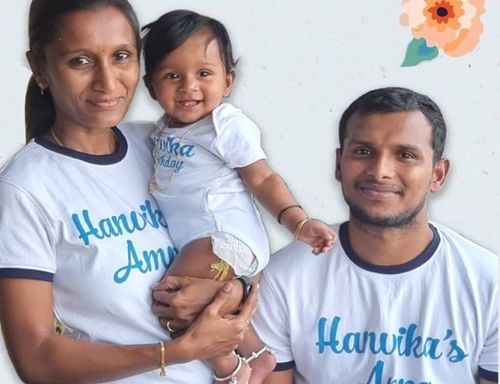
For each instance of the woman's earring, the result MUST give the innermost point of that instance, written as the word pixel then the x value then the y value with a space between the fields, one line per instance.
pixel 42 89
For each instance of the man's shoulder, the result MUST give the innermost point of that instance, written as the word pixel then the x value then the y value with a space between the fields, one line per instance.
pixel 460 244
pixel 464 252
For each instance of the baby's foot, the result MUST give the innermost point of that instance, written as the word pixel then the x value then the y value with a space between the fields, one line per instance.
pixel 262 364
pixel 239 375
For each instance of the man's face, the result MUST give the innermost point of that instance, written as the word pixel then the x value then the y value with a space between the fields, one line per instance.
pixel 386 168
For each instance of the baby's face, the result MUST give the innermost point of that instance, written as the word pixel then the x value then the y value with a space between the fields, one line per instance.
pixel 191 81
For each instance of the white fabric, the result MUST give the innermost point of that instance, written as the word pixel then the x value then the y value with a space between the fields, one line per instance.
pixel 197 186
pixel 94 226
pixel 433 321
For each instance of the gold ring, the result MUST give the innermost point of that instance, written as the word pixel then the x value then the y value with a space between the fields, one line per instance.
pixel 169 328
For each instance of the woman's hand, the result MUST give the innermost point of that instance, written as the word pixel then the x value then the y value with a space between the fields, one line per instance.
pixel 180 299
pixel 212 334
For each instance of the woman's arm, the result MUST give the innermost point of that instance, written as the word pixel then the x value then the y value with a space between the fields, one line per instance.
pixel 41 356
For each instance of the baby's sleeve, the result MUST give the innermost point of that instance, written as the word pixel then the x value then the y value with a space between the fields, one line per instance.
pixel 237 141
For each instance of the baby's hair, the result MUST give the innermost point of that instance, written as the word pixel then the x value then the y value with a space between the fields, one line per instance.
pixel 166 34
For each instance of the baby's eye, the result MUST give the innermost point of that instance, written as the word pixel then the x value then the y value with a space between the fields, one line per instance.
pixel 172 76
pixel 205 73
pixel 79 61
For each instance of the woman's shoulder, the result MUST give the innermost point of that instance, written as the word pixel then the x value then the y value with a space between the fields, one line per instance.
pixel 137 128
pixel 27 159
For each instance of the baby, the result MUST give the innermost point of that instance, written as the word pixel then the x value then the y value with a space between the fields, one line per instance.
pixel 209 166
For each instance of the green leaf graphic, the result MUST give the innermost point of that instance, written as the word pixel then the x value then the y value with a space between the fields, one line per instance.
pixel 417 52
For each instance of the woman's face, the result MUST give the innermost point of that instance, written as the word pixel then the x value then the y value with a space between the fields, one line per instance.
pixel 91 69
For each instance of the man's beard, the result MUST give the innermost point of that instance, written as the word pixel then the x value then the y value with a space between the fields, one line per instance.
pixel 402 220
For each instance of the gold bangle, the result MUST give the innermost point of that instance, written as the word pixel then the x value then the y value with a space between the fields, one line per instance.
pixel 299 227
pixel 162 359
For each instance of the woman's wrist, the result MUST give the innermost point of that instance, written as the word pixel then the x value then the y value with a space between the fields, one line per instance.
pixel 180 350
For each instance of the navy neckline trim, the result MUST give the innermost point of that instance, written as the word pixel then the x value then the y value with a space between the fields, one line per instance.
pixel 488 375
pixel 87 157
pixel 389 269
pixel 31 274
pixel 284 366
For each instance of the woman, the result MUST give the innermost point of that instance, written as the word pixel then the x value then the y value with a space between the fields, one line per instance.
pixel 81 239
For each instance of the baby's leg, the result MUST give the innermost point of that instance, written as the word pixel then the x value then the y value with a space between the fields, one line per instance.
pixel 196 259
pixel 259 356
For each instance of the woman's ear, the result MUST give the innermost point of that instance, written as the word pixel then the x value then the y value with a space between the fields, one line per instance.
pixel 36 69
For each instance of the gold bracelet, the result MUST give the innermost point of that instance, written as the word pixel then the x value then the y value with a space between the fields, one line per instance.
pixel 299 227
pixel 162 359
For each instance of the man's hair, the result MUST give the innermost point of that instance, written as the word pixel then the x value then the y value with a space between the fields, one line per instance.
pixel 395 99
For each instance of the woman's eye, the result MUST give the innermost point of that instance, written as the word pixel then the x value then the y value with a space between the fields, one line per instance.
pixel 79 61
pixel 121 56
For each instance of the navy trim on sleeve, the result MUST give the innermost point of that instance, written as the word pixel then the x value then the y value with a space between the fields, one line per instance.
pixel 284 366
pixel 26 274
pixel 87 157
pixel 488 375
pixel 427 253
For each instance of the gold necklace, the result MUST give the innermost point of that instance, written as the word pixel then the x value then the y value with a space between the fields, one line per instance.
pixel 60 143
pixel 54 136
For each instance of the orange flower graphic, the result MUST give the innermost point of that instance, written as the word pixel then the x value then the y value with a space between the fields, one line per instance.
pixel 452 25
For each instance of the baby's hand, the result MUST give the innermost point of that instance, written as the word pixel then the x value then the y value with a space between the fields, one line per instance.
pixel 318 235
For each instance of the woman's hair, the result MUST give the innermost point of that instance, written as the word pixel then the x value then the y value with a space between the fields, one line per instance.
pixel 44 19
pixel 166 34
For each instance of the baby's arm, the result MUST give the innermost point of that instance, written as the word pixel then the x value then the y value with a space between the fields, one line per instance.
pixel 272 192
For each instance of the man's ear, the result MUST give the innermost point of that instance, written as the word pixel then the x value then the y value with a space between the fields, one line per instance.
pixel 338 158
pixel 439 173
pixel 229 82
pixel 36 69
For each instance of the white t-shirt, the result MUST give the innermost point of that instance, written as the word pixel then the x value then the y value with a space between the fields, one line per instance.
pixel 338 319
pixel 197 186
pixel 88 224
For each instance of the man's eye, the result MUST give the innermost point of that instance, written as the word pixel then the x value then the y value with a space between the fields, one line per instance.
pixel 362 151
pixel 406 155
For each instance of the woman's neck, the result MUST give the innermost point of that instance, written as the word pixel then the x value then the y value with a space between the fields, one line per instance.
pixel 91 141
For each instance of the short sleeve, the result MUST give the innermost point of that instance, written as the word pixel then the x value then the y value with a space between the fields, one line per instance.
pixel 488 359
pixel 271 322
pixel 238 139
pixel 26 249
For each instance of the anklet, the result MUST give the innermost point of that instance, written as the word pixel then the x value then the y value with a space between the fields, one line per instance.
pixel 232 376
pixel 255 355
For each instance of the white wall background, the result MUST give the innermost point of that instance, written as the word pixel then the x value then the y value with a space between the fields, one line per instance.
pixel 301 63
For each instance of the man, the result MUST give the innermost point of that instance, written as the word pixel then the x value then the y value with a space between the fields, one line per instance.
pixel 399 300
